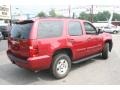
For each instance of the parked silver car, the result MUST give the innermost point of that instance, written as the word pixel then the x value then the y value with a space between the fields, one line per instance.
pixel 111 30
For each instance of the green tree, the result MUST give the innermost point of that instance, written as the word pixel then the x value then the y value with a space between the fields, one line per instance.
pixel 84 16
pixel 116 17
pixel 102 16
pixel 52 13
pixel 41 14
pixel 105 15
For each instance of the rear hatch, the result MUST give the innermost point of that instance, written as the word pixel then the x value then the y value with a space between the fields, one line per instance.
pixel 19 41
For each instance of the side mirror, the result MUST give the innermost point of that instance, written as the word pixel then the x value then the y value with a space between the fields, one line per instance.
pixel 100 31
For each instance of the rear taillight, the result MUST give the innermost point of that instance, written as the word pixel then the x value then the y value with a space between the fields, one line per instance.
pixel 34 51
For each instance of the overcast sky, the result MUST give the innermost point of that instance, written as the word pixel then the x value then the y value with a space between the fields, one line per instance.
pixel 63 2
pixel 35 6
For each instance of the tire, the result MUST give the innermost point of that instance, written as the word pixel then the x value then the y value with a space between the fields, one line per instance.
pixel 105 51
pixel 61 65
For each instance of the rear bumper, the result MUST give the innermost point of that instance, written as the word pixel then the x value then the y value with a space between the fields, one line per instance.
pixel 32 63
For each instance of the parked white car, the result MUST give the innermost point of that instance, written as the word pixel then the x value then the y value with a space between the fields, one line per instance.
pixel 113 30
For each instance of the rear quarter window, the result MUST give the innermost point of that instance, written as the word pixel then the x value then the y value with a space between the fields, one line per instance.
pixel 50 29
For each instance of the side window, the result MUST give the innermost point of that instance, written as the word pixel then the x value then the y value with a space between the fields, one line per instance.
pixel 50 29
pixel 90 29
pixel 75 29
pixel 106 28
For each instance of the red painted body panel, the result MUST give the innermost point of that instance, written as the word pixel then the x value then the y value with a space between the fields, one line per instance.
pixel 31 63
pixel 37 53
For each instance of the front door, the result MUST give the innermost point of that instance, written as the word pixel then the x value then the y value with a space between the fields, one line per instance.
pixel 94 41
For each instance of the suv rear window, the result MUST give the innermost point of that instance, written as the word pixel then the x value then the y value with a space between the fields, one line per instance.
pixel 21 30
pixel 3 28
pixel 50 29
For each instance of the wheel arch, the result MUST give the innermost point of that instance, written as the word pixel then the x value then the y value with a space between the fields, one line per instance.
pixel 110 44
pixel 68 51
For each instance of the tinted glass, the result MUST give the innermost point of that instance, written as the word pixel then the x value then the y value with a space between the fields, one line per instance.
pixel 89 28
pixel 106 27
pixel 21 31
pixel 50 29
pixel 2 28
pixel 75 29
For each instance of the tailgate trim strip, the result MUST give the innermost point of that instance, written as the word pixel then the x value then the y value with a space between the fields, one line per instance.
pixel 13 58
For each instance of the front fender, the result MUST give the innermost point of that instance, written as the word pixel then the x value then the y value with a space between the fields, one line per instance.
pixel 107 38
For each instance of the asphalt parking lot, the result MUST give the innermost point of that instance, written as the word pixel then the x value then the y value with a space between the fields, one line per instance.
pixel 94 71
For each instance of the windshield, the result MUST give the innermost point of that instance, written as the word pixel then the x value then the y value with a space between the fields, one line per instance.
pixel 21 31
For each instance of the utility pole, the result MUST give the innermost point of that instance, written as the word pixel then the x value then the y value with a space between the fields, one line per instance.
pixel 69 10
pixel 91 14
pixel 10 15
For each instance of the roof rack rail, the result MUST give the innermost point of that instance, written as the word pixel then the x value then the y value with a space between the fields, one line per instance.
pixel 55 17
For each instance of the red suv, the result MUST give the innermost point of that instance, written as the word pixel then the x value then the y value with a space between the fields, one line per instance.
pixel 55 43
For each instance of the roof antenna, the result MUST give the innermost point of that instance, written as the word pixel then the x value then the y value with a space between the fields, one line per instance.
pixel 73 15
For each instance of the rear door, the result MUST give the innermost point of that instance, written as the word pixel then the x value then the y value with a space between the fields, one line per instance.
pixel 94 40
pixel 49 36
pixel 19 39
pixel 77 39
